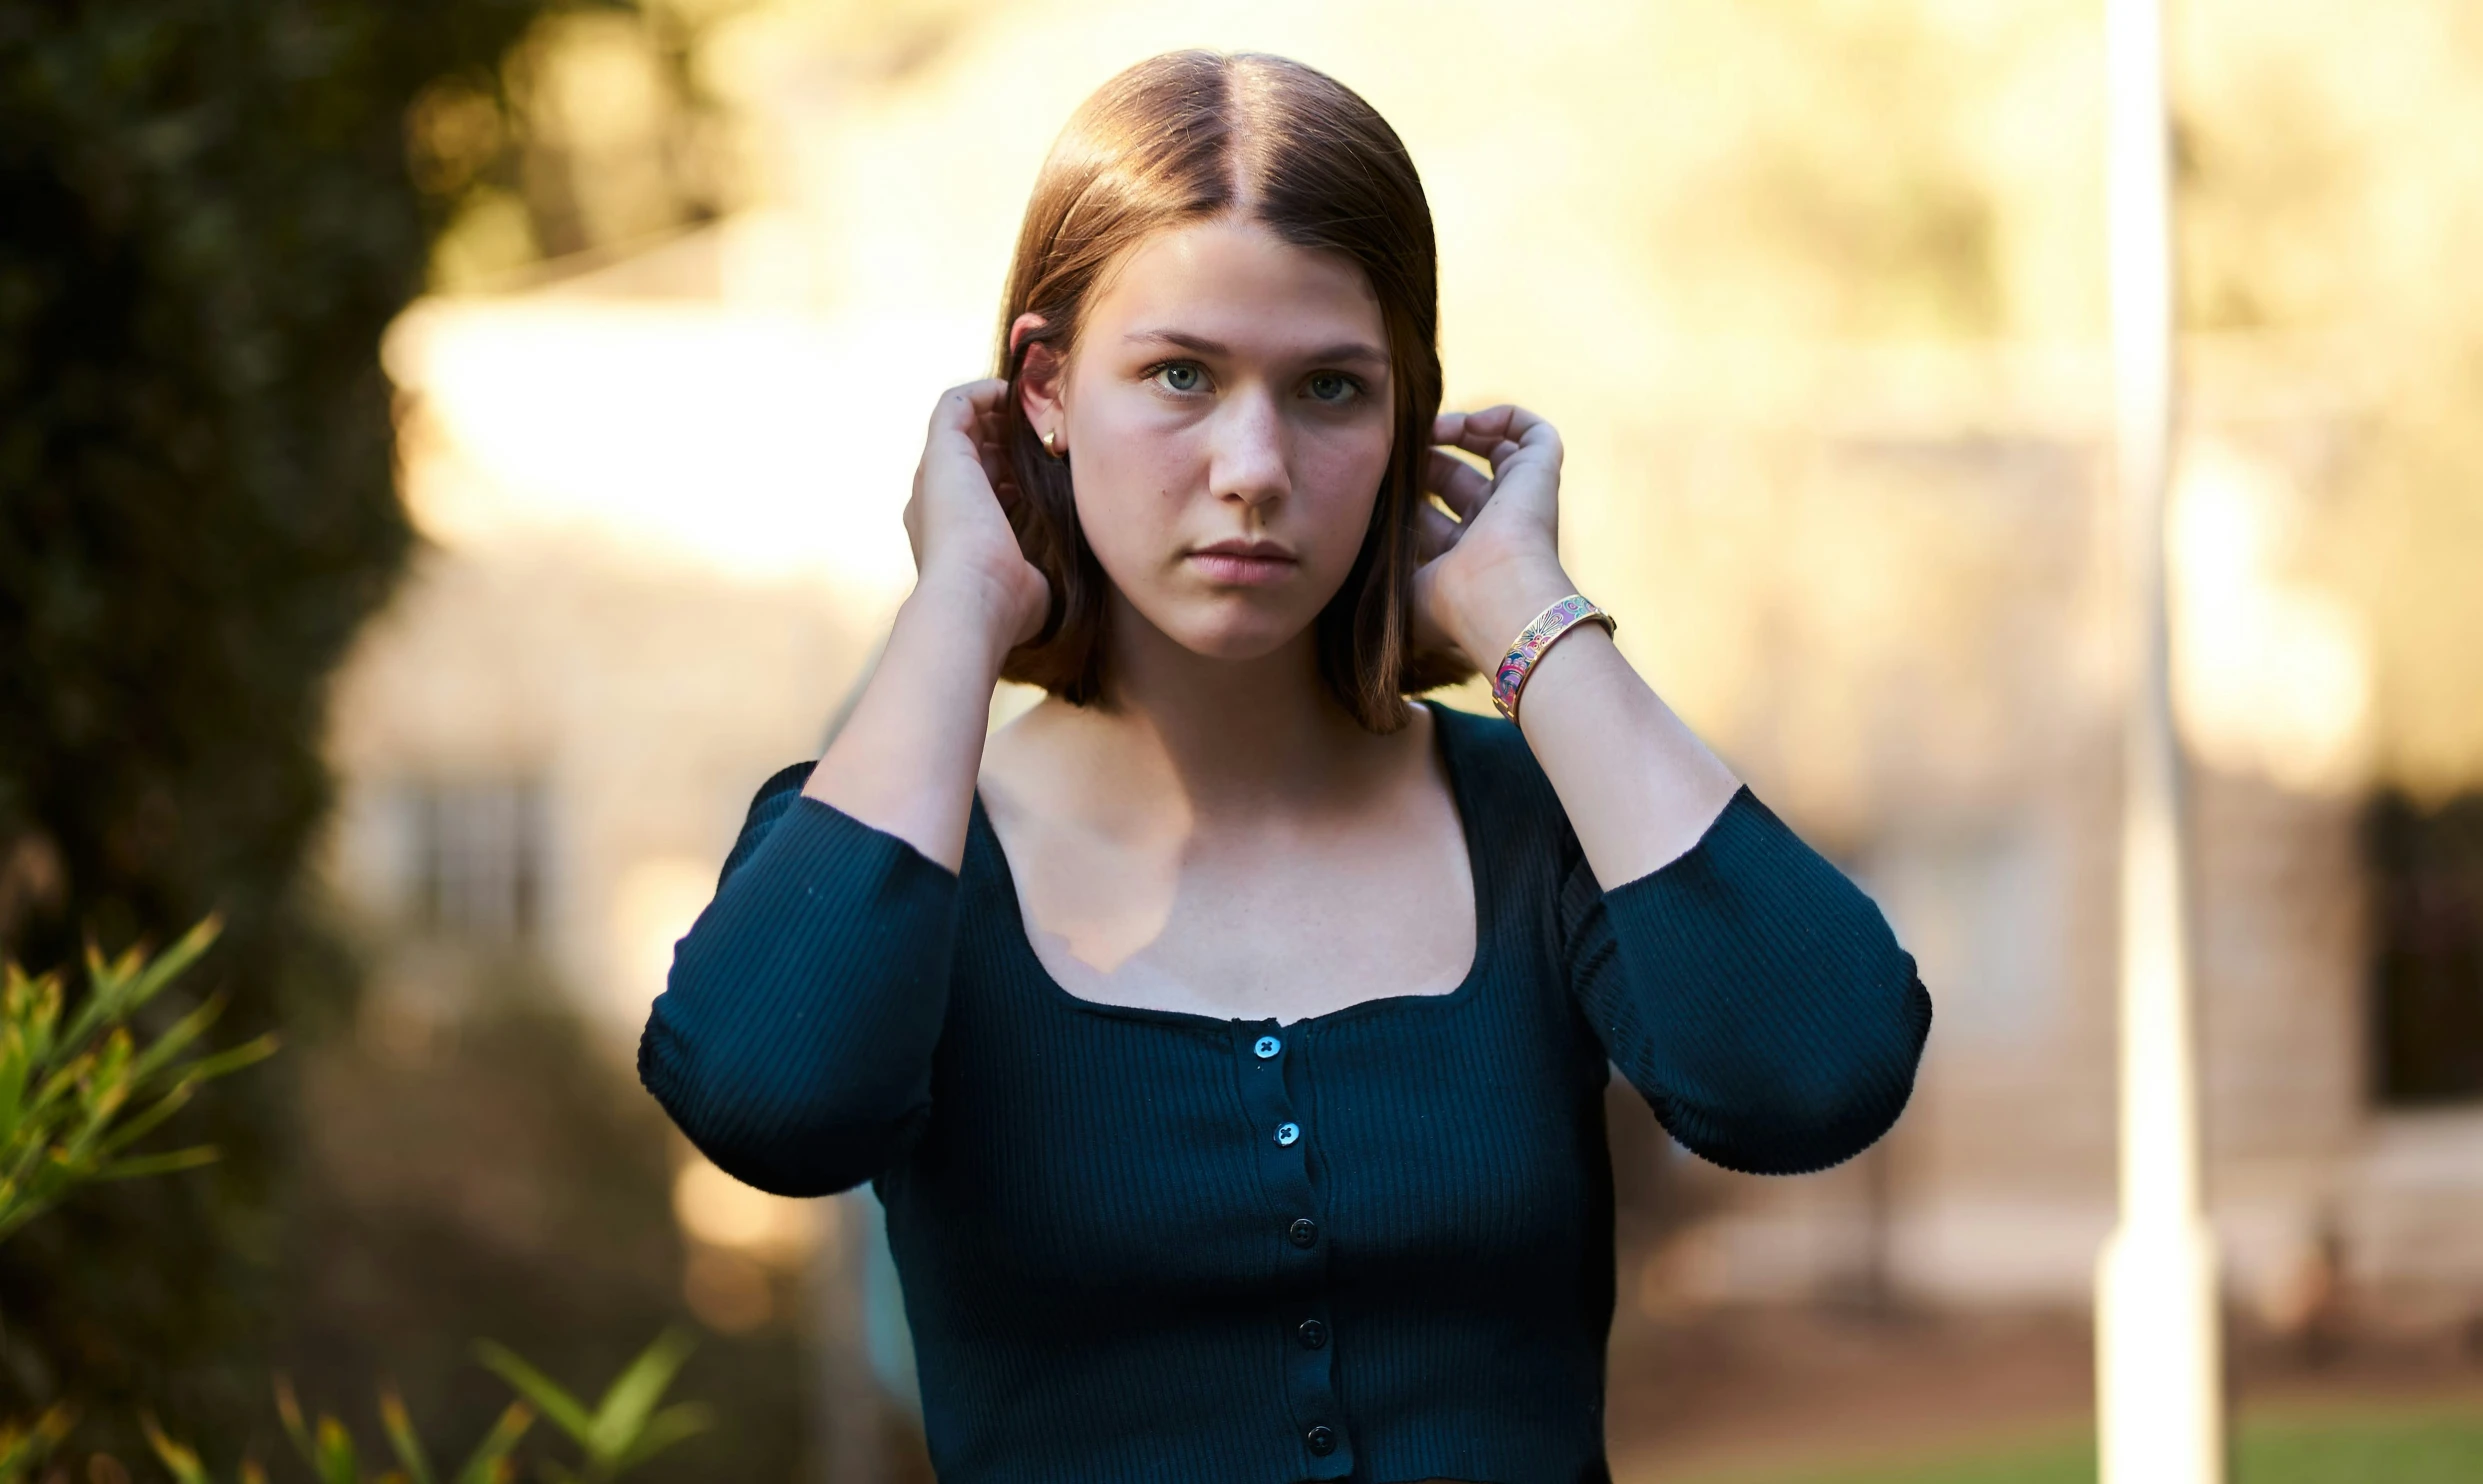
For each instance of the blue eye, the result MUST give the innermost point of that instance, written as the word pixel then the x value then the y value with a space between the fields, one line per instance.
pixel 1179 376
pixel 1333 386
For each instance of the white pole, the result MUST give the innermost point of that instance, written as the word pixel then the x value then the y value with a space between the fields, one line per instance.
pixel 2158 1398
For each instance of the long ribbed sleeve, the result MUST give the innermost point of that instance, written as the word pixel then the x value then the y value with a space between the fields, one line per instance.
pixel 793 1040
pixel 1752 994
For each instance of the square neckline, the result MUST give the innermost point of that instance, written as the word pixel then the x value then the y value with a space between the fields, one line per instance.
pixel 1478 865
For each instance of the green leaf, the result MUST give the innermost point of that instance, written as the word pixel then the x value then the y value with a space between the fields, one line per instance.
pixel 401 1438
pixel 62 1081
pixel 158 1164
pixel 116 989
pixel 103 1005
pixel 676 1423
pixel 175 1040
pixel 24 1447
pixel 489 1463
pixel 18 1209
pixel 101 985
pixel 17 1069
pixel 79 1148
pixel 336 1463
pixel 625 1407
pixel 131 1130
pixel 565 1411
pixel 169 964
pixel 208 1068
pixel 184 1464
pixel 289 1412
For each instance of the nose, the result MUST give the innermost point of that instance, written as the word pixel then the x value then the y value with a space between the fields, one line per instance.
pixel 1251 455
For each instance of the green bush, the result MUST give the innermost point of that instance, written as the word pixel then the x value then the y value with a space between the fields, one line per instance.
pixel 623 1430
pixel 210 218
pixel 75 1097
pixel 76 1094
pixel 79 1089
pixel 626 1428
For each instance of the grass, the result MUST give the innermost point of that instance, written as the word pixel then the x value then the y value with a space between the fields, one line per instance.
pixel 2429 1447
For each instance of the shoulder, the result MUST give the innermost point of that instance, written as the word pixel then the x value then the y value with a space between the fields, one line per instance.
pixel 785 780
pixel 776 796
pixel 775 799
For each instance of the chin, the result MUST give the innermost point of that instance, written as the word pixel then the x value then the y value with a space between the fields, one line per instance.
pixel 1235 643
pixel 1236 632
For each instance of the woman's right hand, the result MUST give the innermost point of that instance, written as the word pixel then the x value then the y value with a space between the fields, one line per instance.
pixel 957 519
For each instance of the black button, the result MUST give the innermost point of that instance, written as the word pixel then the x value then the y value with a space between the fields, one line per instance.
pixel 1312 1334
pixel 1304 1231
pixel 1320 1440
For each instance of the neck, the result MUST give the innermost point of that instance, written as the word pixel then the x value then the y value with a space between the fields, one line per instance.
pixel 1224 734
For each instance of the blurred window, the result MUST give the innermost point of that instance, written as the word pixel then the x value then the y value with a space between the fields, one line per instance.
pixel 1982 912
pixel 476 858
pixel 2427 937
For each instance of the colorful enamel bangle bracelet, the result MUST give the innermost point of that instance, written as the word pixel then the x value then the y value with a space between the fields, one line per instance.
pixel 1534 639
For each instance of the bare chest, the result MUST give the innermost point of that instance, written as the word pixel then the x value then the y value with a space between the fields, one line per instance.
pixel 1253 919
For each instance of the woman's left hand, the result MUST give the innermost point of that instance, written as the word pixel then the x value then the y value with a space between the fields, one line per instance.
pixel 1487 573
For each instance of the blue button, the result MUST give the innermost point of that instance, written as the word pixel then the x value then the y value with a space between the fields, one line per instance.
pixel 1268 1046
pixel 1286 1133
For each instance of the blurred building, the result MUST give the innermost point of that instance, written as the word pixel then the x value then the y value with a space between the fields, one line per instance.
pixel 1866 550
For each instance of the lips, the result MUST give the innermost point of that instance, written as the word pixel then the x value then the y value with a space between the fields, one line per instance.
pixel 1244 563
pixel 1258 550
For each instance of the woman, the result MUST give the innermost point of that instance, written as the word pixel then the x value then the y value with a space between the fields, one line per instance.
pixel 1226 1036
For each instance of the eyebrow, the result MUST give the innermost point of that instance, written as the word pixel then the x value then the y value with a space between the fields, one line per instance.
pixel 1342 351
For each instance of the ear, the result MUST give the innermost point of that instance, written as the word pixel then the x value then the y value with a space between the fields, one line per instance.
pixel 1042 383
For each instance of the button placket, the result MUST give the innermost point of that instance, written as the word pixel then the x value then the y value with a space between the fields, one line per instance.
pixel 1270 1067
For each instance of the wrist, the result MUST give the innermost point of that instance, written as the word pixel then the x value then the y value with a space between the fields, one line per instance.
pixel 965 615
pixel 1489 606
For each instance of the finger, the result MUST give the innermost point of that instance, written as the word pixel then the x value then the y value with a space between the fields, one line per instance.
pixel 1477 431
pixel 1001 473
pixel 1000 476
pixel 1461 485
pixel 1535 436
pixel 962 407
pixel 1434 533
pixel 1484 432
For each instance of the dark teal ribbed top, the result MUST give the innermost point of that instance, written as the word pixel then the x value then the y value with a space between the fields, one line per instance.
pixel 1149 1247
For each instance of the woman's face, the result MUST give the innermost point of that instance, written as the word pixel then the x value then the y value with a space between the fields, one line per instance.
pixel 1227 414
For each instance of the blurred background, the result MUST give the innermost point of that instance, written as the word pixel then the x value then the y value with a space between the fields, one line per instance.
pixel 453 453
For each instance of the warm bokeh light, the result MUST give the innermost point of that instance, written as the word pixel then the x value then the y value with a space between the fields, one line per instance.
pixel 753 444
pixel 2271 675
pixel 1666 227
pixel 722 1212
pixel 1816 293
pixel 654 904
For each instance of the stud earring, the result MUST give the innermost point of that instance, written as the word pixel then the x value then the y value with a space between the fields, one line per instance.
pixel 1051 442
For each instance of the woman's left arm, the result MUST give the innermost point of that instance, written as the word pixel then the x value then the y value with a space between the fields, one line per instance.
pixel 1747 988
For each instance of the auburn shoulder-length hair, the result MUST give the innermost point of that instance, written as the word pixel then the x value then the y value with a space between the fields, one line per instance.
pixel 1191 136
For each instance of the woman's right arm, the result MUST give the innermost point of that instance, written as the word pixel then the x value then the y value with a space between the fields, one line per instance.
pixel 793 1041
